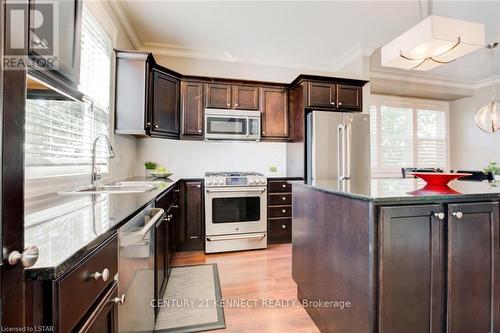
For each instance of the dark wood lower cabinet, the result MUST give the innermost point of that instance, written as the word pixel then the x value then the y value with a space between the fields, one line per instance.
pixel 473 269
pixel 104 318
pixel 411 269
pixel 194 216
pixel 279 211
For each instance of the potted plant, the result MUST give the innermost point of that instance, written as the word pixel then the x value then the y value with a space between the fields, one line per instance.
pixel 150 168
pixel 494 168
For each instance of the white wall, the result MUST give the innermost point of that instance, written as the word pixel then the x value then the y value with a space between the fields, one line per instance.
pixel 192 159
pixel 470 147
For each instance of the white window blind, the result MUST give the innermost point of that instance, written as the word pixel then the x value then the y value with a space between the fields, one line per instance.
pixel 407 132
pixel 60 131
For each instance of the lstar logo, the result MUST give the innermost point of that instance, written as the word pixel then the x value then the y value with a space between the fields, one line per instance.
pixel 31 35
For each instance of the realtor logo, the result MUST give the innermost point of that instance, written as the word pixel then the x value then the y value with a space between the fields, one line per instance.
pixel 36 46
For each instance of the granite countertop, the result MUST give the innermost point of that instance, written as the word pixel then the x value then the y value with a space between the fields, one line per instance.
pixel 65 228
pixel 406 190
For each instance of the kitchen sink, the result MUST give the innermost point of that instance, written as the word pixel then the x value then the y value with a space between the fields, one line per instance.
pixel 115 188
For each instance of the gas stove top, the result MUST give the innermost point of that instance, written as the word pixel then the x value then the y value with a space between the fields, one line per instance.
pixel 223 179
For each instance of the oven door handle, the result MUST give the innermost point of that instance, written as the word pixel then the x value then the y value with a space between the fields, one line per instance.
pixel 211 190
pixel 223 238
pixel 135 237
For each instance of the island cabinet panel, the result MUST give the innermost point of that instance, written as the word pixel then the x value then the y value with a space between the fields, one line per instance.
pixel 192 109
pixel 165 105
pixel 274 108
pixel 245 98
pixel 473 279
pixel 411 269
pixel 218 96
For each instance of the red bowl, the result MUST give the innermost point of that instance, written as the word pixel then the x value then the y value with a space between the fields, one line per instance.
pixel 438 178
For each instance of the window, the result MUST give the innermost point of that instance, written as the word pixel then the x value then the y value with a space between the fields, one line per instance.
pixel 407 132
pixel 60 130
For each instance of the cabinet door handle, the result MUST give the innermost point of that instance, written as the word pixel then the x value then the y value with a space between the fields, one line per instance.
pixel 28 257
pixel 175 206
pixel 118 300
pixel 193 237
pixel 332 103
pixel 199 130
pixel 236 104
pixel 104 275
pixel 198 186
pixel 228 104
pixel 339 103
pixel 284 198
pixel 283 210
pixel 458 215
pixel 263 133
pixel 176 190
pixel 439 215
pixel 284 185
pixel 157 126
pixel 283 226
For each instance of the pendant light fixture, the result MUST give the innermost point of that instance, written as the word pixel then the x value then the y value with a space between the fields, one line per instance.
pixel 434 41
pixel 488 115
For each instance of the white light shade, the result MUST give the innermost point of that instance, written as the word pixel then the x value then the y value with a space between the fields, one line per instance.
pixel 488 117
pixel 431 38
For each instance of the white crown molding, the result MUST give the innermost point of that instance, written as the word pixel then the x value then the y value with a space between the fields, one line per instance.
pixel 488 82
pixel 121 11
pixel 357 51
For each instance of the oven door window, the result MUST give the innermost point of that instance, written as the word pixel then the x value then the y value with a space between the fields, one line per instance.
pixel 226 125
pixel 231 210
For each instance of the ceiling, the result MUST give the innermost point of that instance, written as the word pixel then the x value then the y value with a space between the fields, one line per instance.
pixel 300 34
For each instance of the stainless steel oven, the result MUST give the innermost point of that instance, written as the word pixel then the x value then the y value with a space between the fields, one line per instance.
pixel 232 125
pixel 235 213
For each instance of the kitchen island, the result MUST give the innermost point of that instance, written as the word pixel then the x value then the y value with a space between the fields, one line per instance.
pixel 397 258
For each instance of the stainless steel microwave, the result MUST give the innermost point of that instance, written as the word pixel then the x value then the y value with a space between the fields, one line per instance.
pixel 232 125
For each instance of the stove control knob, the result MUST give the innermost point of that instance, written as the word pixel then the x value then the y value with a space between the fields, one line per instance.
pixel 221 182
pixel 210 182
pixel 251 181
pixel 262 180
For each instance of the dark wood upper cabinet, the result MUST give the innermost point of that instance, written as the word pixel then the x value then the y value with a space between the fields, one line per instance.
pixel 218 96
pixel 192 108
pixel 164 113
pixel 412 270
pixel 274 108
pixel 349 97
pixel 473 267
pixel 245 98
pixel 321 94
pixel 69 36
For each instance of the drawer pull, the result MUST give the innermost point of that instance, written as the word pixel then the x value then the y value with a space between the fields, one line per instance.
pixel 284 198
pixel 458 215
pixel 283 210
pixel 284 185
pixel 118 300
pixel 175 206
pixel 104 275
pixel 176 190
pixel 283 226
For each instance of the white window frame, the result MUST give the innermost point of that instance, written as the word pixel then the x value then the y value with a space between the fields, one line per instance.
pixel 46 181
pixel 412 103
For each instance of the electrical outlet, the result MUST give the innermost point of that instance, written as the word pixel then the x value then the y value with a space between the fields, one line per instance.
pixel 273 168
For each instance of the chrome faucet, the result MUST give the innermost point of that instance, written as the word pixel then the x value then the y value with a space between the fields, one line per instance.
pixel 95 176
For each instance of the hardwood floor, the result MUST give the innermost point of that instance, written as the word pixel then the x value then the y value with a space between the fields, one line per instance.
pixel 257 275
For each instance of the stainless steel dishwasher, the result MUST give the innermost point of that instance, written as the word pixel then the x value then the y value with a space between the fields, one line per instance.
pixel 136 271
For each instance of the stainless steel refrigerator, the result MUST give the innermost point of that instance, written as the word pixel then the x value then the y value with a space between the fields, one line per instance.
pixel 338 148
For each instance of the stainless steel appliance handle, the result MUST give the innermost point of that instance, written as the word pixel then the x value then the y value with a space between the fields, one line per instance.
pixel 340 152
pixel 223 238
pixel 248 127
pixel 347 154
pixel 220 190
pixel 134 237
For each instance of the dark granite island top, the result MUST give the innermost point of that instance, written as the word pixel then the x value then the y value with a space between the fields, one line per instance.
pixel 403 262
pixel 385 190
pixel 65 228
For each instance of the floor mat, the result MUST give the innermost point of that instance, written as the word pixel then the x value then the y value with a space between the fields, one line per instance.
pixel 191 301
